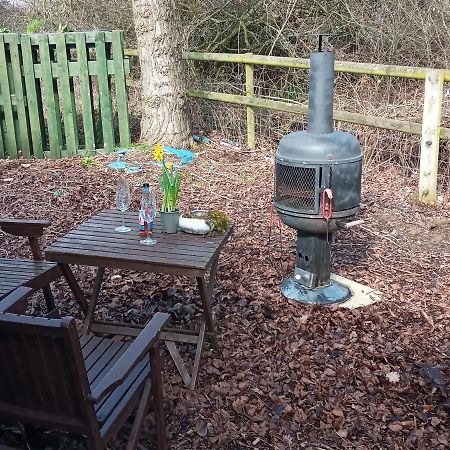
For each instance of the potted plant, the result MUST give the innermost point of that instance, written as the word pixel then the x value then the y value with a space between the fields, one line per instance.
pixel 170 185
pixel 202 221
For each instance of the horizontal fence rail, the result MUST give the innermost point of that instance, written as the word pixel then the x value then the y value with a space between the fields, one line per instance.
pixel 430 129
pixel 48 80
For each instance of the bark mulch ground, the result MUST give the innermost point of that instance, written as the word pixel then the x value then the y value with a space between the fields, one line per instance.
pixel 289 376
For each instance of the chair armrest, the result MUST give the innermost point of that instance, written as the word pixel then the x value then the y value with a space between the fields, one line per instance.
pixel 33 229
pixel 146 339
pixel 16 301
pixel 23 227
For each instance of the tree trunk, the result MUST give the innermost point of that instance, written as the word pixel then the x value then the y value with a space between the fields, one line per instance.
pixel 164 117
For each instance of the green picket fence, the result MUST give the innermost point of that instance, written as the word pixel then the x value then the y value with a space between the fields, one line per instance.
pixel 62 94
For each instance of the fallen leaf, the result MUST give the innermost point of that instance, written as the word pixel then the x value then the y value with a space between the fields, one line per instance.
pixel 201 427
pixel 435 421
pixel 393 377
pixel 338 412
pixel 395 427
pixel 342 433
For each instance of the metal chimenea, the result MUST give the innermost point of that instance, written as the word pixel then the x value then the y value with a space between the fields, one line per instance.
pixel 317 187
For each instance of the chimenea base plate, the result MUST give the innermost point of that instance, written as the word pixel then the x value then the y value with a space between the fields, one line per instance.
pixel 328 295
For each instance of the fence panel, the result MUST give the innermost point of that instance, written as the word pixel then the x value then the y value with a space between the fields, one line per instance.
pixel 431 128
pixel 85 93
pixel 31 88
pixel 104 87
pixel 57 93
pixel 8 128
pixel 22 121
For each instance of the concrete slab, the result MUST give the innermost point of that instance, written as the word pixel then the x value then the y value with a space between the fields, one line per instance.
pixel 361 295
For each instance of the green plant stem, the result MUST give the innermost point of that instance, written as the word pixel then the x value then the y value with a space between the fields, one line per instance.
pixel 170 184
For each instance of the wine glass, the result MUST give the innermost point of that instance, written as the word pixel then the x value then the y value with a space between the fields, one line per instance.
pixel 123 200
pixel 148 213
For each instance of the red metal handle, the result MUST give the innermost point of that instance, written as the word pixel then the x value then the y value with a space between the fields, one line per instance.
pixel 327 213
pixel 272 213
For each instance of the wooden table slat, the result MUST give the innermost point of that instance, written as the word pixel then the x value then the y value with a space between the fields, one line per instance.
pixel 136 247
pixel 109 254
pixel 88 234
pixel 108 229
pixel 133 244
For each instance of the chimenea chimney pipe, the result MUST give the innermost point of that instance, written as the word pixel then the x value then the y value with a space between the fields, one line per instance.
pixel 321 83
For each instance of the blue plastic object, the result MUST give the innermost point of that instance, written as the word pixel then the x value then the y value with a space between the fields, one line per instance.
pixel 187 156
pixel 123 151
pixel 133 169
pixel 119 165
pixel 202 139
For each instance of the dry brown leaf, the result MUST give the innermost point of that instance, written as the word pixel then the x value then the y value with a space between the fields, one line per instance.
pixel 393 377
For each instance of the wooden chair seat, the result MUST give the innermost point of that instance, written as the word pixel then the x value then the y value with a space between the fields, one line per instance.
pixel 25 272
pixel 36 274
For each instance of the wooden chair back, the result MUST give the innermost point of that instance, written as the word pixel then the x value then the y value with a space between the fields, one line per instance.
pixel 42 375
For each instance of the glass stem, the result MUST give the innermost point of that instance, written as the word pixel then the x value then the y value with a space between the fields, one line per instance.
pixel 123 219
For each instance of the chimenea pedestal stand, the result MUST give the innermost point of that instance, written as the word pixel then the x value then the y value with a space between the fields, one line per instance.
pixel 311 282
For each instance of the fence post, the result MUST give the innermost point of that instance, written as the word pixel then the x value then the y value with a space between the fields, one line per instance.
pixel 250 92
pixel 431 127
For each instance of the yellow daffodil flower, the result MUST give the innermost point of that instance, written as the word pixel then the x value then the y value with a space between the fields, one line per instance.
pixel 169 165
pixel 158 152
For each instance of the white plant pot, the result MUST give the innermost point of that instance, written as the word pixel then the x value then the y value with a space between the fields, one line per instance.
pixel 193 226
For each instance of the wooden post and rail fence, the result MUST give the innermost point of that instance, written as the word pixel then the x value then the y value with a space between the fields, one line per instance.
pixel 430 129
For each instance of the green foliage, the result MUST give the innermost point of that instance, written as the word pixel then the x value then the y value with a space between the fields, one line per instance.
pixel 170 183
pixel 59 193
pixel 35 26
pixel 218 220
pixel 63 28
pixel 87 161
pixel 142 147
pixel 5 30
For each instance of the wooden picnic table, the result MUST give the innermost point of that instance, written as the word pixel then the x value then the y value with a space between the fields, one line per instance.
pixel 96 243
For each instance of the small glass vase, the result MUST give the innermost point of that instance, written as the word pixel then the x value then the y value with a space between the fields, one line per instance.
pixel 169 221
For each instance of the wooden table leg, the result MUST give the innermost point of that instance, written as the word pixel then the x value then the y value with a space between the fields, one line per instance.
pixel 178 361
pixel 198 354
pixel 206 290
pixel 94 299
pixel 74 286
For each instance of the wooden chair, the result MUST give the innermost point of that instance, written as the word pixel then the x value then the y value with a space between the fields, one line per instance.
pixel 17 272
pixel 55 378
